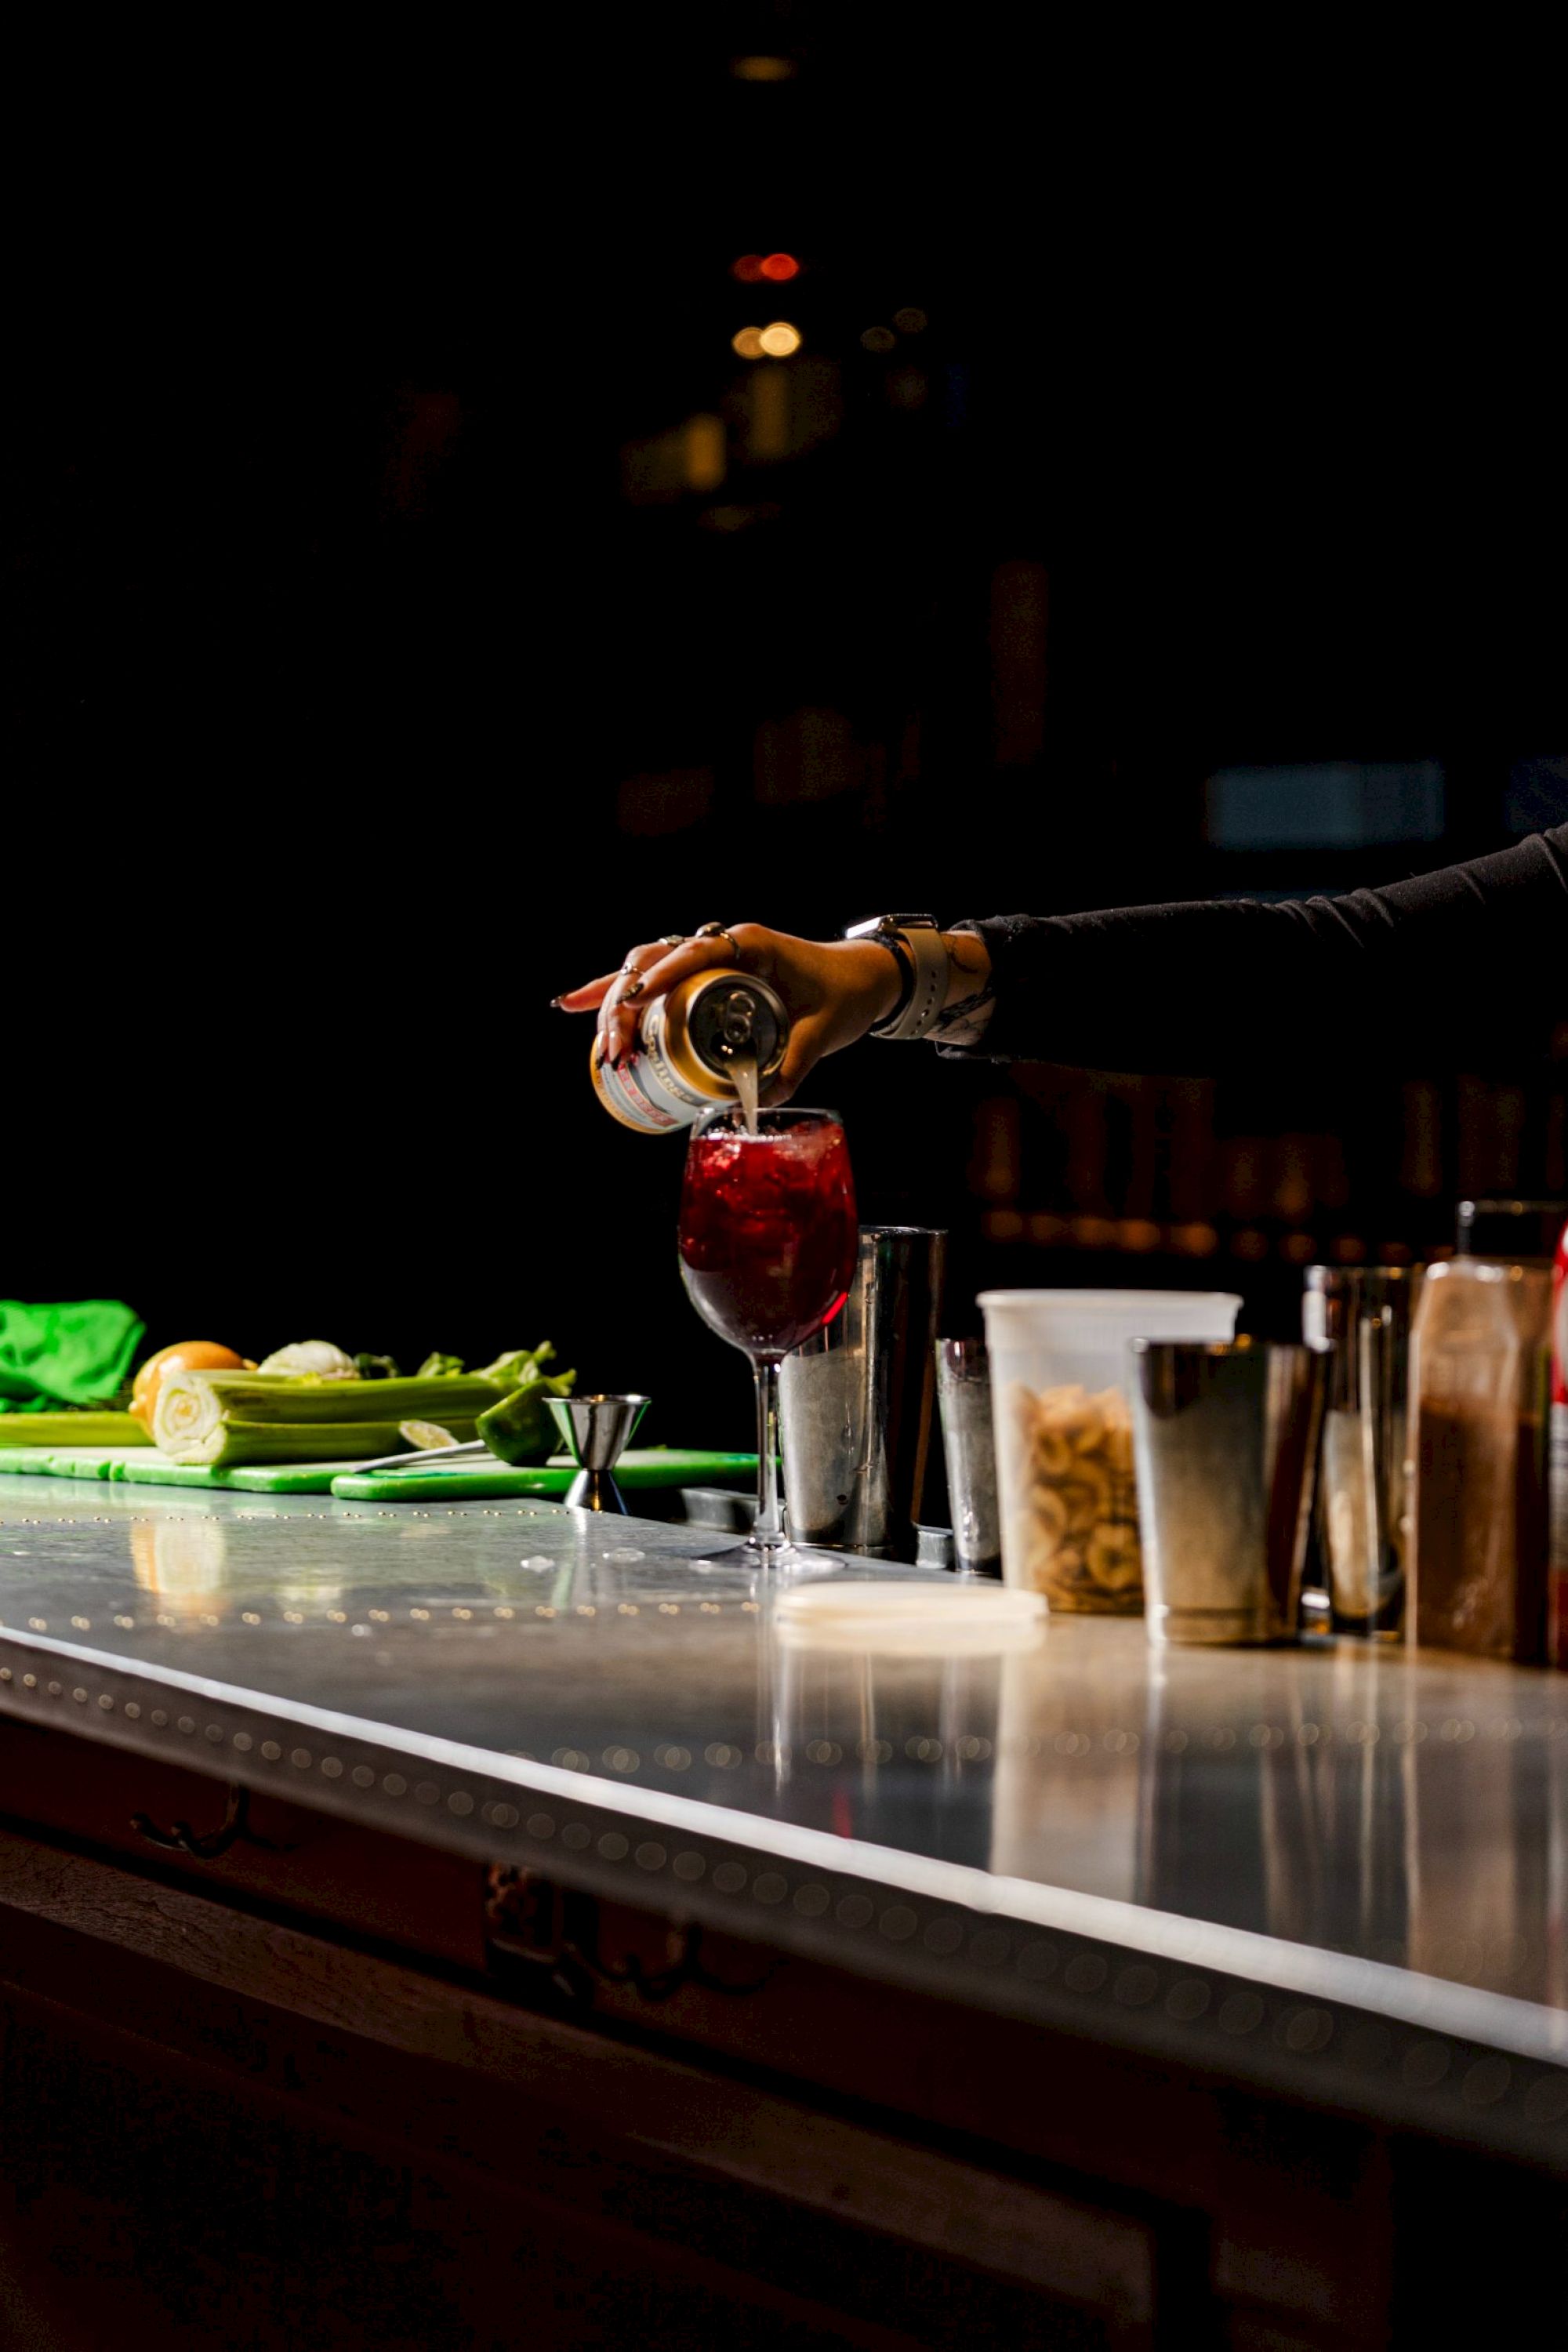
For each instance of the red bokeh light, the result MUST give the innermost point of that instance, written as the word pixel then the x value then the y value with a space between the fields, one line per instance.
pixel 750 270
pixel 780 267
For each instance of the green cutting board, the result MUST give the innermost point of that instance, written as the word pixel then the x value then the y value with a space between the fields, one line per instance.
pixel 464 1481
pixel 68 1461
pixel 143 1466
pixel 473 1481
pixel 245 1478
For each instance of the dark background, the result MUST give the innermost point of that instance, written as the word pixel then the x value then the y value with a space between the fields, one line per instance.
pixel 387 650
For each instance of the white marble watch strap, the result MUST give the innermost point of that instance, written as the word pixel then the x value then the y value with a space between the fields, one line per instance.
pixel 928 954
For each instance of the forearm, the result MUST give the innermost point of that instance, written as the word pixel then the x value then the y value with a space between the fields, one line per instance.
pixel 966 1012
pixel 1469 966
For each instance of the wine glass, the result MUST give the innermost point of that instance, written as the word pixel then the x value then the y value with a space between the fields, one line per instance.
pixel 767 1240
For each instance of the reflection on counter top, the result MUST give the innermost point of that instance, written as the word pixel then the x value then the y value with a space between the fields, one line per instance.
pixel 1405 1809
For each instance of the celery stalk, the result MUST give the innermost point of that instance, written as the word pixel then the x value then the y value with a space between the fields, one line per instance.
pixel 273 1396
pixel 196 1408
pixel 306 1441
pixel 72 1429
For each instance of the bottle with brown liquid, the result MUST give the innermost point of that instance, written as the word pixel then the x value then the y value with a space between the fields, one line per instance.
pixel 715 1039
pixel 1478 1427
pixel 1557 1588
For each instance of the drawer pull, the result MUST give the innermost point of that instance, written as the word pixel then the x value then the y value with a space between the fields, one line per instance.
pixel 182 1839
pixel 532 1920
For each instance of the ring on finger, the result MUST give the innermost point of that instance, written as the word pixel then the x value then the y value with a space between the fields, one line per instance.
pixel 633 988
pixel 718 931
pixel 673 939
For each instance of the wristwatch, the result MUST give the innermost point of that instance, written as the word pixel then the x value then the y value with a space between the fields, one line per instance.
pixel 918 948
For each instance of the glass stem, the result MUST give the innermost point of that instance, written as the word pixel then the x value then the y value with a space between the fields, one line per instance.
pixel 768 1533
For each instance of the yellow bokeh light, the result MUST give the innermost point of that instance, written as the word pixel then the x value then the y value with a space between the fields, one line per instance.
pixel 762 68
pixel 748 344
pixel 704 452
pixel 910 321
pixel 780 339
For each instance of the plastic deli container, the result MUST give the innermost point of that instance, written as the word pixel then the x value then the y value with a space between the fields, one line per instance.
pixel 1067 1498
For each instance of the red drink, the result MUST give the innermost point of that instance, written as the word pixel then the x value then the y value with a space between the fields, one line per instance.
pixel 768 1229
pixel 768 1243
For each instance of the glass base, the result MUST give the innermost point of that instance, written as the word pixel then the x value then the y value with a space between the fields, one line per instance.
pixel 790 1559
pixel 773 1558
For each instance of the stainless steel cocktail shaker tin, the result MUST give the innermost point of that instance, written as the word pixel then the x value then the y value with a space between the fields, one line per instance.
pixel 856 1403
pixel 1224 1438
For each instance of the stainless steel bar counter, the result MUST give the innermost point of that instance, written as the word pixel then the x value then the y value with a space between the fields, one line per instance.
pixel 1333 1876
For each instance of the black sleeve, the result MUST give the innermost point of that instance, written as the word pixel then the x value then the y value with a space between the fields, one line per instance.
pixel 1466 968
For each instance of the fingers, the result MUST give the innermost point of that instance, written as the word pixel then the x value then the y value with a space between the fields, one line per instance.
pixel 593 994
pixel 658 967
pixel 619 999
pixel 679 964
pixel 610 994
pixel 584 1000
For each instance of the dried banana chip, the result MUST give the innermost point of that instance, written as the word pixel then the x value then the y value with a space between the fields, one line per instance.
pixel 1075 1521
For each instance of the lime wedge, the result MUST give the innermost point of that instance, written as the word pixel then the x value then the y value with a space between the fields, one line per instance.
pixel 425 1435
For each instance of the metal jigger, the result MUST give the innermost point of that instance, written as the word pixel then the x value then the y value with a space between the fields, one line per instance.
pixel 595 1431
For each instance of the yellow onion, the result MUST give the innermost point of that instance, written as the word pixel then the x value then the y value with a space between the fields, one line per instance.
pixel 188 1355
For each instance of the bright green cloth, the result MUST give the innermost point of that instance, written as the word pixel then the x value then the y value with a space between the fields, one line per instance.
pixel 75 1354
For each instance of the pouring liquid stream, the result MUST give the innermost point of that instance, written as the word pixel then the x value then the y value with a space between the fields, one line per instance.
pixel 744 1073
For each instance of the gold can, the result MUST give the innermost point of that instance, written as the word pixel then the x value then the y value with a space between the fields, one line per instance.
pixel 688 1044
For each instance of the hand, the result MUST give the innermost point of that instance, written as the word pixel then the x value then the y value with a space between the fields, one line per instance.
pixel 835 991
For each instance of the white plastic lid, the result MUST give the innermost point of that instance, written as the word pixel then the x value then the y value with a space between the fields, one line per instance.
pixel 1106 1319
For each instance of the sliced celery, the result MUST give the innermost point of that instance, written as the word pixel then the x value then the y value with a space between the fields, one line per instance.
pixel 233 1441
pixel 195 1409
pixel 275 1396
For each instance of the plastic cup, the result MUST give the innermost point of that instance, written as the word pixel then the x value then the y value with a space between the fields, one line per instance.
pixel 1060 1404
